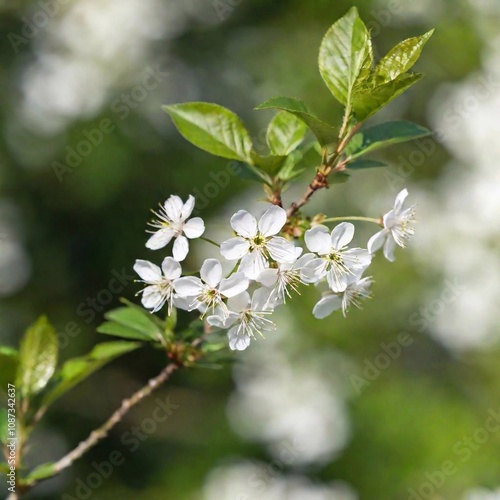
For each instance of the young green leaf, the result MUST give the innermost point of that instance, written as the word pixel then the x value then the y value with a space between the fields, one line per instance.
pixel 132 323
pixel 345 56
pixel 402 57
pixel 369 98
pixel 77 369
pixel 285 133
pixel 9 360
pixel 269 164
pixel 41 472
pixel 362 164
pixel 4 433
pixel 325 133
pixel 382 135
pixel 212 128
pixel 250 173
pixel 37 358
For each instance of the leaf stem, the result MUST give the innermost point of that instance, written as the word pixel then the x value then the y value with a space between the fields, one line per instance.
pixel 208 240
pixel 366 219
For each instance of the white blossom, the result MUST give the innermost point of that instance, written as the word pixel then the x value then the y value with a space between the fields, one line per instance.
pixel 335 261
pixel 398 228
pixel 209 291
pixel 284 278
pixel 246 318
pixel 160 282
pixel 172 223
pixel 256 243
pixel 357 289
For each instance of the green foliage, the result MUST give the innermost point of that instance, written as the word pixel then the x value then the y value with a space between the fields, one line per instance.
pixel 285 133
pixel 325 133
pixel 372 97
pixel 3 425
pixel 133 322
pixel 345 56
pixel 41 472
pixel 385 134
pixel 212 128
pixel 346 60
pixel 363 164
pixel 37 358
pixel 402 57
pixel 75 370
pixel 9 360
pixel 270 164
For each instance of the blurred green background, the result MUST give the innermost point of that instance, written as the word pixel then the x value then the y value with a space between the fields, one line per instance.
pixel 318 410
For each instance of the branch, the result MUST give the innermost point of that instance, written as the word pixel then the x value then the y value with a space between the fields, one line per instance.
pixel 100 433
pixel 327 167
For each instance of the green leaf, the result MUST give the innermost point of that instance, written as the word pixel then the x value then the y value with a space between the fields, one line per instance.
pixel 118 330
pixel 325 133
pixel 383 135
pixel 212 128
pixel 9 360
pixel 77 369
pixel 402 57
pixel 4 434
pixel 269 164
pixel 41 472
pixel 37 358
pixel 132 323
pixel 345 56
pixel 250 173
pixel 285 133
pixel 362 164
pixel 369 98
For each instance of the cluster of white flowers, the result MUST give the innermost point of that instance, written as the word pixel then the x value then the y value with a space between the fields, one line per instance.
pixel 268 267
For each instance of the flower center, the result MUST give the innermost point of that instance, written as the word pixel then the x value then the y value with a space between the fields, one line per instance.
pixel 257 242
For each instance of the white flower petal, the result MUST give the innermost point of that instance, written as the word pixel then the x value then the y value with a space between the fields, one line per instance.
pixel 302 261
pixel 211 272
pixel 148 271
pixel 337 280
pixel 272 221
pixel 400 198
pixel 268 277
pixel 187 208
pixel 261 300
pixel 281 250
pixel 194 227
pixel 239 302
pixel 377 240
pixel 252 264
pixel 313 271
pixel 318 240
pixel 189 286
pixel 171 268
pixel 160 239
pixel 389 247
pixel 244 224
pixel 173 208
pixel 237 342
pixel 234 248
pixel 390 219
pixel 219 319
pixel 185 303
pixel 342 235
pixel 327 305
pixel 235 284
pixel 181 248
pixel 152 298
